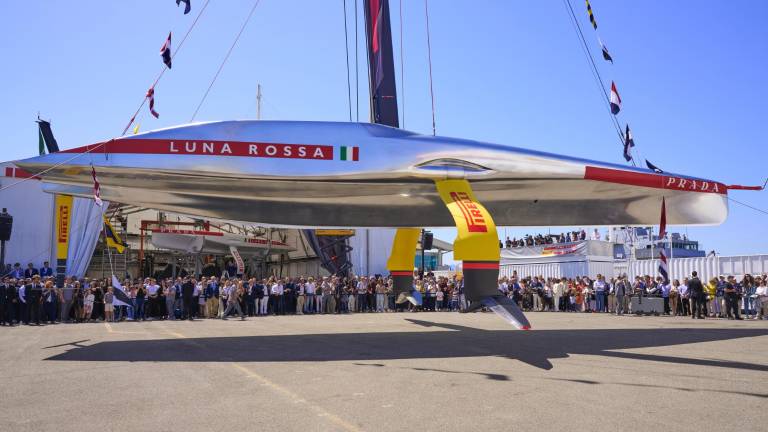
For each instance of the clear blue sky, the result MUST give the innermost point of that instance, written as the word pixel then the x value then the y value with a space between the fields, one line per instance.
pixel 692 75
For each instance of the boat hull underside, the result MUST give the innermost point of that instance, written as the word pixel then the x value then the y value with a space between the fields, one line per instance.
pixel 407 202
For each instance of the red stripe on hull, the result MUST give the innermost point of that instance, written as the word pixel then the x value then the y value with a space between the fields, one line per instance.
pixel 210 148
pixel 657 181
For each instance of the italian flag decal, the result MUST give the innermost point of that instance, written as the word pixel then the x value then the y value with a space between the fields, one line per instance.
pixel 348 153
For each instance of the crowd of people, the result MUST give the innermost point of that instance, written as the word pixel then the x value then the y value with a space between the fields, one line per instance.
pixel 546 239
pixel 722 297
pixel 34 298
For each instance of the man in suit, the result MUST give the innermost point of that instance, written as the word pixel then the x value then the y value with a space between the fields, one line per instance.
pixel 33 293
pixel 30 271
pixel 11 301
pixel 696 294
pixel 3 299
pixel 188 297
pixel 46 270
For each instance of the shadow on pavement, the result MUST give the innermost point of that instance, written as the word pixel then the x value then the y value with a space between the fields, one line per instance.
pixel 536 348
pixel 685 389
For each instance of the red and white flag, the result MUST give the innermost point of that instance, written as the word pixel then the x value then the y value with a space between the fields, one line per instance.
pixel 96 188
pixel 165 51
pixel 663 264
pixel 151 97
pixel 615 99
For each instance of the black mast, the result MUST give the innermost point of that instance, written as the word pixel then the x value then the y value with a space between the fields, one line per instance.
pixel 381 63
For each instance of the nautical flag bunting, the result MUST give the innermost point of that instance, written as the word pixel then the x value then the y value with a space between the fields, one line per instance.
pixel 121 297
pixel 663 265
pixel 112 238
pixel 591 15
pixel 653 167
pixel 629 142
pixel 151 97
pixel 96 188
pixel 615 99
pixel 606 54
pixel 165 51
pixel 187 5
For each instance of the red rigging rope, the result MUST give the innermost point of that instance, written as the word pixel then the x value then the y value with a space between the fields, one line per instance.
pixel 162 72
pixel 226 57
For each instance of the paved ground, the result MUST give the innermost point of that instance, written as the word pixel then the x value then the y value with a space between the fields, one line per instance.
pixel 391 372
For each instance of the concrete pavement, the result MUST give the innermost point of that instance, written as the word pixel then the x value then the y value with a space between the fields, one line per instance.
pixel 387 372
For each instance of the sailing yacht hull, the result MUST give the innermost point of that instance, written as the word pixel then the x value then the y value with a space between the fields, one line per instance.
pixel 324 174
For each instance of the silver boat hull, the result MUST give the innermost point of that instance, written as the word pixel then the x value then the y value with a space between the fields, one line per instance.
pixel 322 174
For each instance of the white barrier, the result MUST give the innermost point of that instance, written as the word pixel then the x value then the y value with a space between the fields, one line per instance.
pixel 589 268
pixel 706 267
pixel 679 268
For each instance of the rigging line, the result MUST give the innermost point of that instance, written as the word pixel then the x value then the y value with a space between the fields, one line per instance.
pixel 346 49
pixel 173 54
pixel 595 71
pixel 226 57
pixel 357 75
pixel 429 58
pixel 32 176
pixel 402 70
pixel 747 205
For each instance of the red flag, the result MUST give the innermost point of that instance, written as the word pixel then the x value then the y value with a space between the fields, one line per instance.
pixel 663 265
pixel 96 188
pixel 615 99
pixel 151 96
pixel 165 51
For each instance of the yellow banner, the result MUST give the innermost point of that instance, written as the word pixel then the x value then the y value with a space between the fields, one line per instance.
pixel 63 210
pixel 334 232
pixel 477 239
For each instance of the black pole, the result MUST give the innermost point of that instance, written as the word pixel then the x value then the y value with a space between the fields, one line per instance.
pixel 2 257
pixel 423 232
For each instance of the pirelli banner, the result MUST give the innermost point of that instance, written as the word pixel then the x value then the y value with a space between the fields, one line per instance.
pixel 63 213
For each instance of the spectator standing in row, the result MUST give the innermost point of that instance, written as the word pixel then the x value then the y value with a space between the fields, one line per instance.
pixel 732 293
